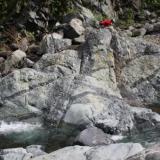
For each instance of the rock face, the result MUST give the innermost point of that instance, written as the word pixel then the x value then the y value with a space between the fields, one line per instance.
pixel 21 153
pixel 53 43
pixel 112 152
pixel 21 88
pixel 15 60
pixel 152 153
pixel 84 75
pixel 79 87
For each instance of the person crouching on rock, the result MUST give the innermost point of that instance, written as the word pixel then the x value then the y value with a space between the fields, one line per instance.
pixel 106 22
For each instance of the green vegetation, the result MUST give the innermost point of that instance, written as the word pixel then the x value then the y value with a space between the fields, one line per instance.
pixel 152 4
pixel 58 8
pixel 10 7
pixel 126 19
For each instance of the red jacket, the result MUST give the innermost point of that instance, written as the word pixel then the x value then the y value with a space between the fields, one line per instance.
pixel 106 22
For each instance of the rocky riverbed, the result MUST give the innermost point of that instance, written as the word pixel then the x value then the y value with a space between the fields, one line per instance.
pixel 83 92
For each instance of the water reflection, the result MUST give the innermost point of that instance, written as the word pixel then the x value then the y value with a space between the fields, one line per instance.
pixel 147 137
pixel 51 138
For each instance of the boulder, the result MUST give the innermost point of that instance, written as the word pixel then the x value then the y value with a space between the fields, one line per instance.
pixel 15 60
pixel 35 150
pixel 52 43
pixel 74 29
pixel 156 27
pixel 29 93
pixel 15 154
pixel 21 153
pixel 149 27
pixel 151 153
pixel 138 32
pixel 86 13
pixel 64 62
pixel 137 69
pixel 93 136
pixel 1 60
pixel 111 152
pixel 98 59
pixel 79 40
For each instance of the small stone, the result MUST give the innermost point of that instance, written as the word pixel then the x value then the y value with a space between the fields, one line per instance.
pixel 79 40
pixel 148 27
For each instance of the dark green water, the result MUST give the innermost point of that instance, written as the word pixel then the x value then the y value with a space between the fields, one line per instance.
pixel 51 138
pixel 147 137
pixel 56 138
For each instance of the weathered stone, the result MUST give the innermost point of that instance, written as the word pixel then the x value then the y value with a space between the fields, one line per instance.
pixel 137 69
pixel 15 154
pixel 1 60
pixel 35 150
pixel 74 29
pixel 149 27
pixel 112 152
pixel 53 43
pixel 93 136
pixel 15 60
pixel 65 62
pixel 151 153
pixel 138 32
pixel 79 40
pixel 156 27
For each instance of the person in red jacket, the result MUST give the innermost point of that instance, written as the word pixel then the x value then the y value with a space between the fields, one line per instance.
pixel 106 22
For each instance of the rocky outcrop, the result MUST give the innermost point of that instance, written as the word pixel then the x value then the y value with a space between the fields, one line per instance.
pixel 137 69
pixel 20 89
pixel 78 87
pixel 112 152
pixel 86 76
pixel 21 153
pixel 53 43
pixel 151 153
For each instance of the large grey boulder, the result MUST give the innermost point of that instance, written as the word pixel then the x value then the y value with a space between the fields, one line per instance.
pixel 93 136
pixel 137 69
pixel 94 97
pixel 151 153
pixel 90 104
pixel 21 153
pixel 66 62
pixel 156 27
pixel 30 93
pixel 98 59
pixel 52 43
pixel 111 152
pixel 15 154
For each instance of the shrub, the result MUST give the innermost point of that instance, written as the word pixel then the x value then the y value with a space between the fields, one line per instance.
pixel 126 19
pixel 152 4
pixel 57 8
